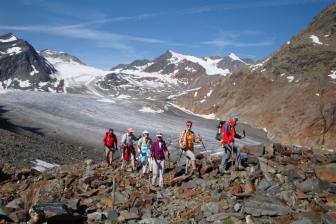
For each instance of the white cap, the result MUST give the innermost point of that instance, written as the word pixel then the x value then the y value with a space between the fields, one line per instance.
pixel 158 135
pixel 145 132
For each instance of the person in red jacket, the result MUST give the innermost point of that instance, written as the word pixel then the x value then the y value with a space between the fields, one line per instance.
pixel 111 144
pixel 228 141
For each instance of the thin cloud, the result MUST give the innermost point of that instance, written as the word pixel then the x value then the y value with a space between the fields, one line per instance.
pixel 103 38
pixel 243 38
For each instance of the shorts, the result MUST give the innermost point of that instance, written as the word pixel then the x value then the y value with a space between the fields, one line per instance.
pixel 107 150
pixel 190 154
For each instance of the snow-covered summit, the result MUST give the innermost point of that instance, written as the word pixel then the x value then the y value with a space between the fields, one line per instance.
pixel 9 37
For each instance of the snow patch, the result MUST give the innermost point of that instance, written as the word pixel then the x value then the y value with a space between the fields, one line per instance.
pixel 202 101
pixel 332 74
pixel 104 100
pixel 263 70
pixel 317 94
pixel 211 116
pixel 14 50
pixel 315 39
pixel 265 130
pixel 288 42
pixel 209 93
pixel 42 166
pixel 32 73
pixel 10 39
pixel 23 84
pixel 195 94
pixel 123 96
pixel 282 74
pixel 290 78
pixel 190 69
pixel 150 110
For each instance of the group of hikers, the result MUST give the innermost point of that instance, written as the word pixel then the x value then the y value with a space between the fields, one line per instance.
pixel 152 154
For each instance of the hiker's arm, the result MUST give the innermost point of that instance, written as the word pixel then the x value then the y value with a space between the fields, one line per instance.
pixel 116 142
pixel 237 135
pixel 123 140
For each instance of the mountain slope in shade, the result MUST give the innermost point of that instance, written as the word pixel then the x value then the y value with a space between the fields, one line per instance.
pixel 21 67
pixel 291 93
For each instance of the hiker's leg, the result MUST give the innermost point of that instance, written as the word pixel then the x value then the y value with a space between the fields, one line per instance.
pixel 238 157
pixel 107 150
pixel 155 172
pixel 226 156
pixel 145 166
pixel 192 157
pixel 110 157
pixel 161 171
pixel 133 161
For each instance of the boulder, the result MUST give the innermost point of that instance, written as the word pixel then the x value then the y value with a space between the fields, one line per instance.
pixel 51 213
pixel 256 150
pixel 262 205
pixel 96 217
pixel 46 191
pixel 4 214
pixel 16 204
pixel 312 185
pixel 18 216
pixel 326 172
pixel 127 216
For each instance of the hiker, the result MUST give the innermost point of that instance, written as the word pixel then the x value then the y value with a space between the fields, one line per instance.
pixel 228 143
pixel 159 152
pixel 111 144
pixel 144 146
pixel 128 151
pixel 186 142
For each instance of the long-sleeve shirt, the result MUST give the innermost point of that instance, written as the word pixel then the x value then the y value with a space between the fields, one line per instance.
pixel 128 139
pixel 158 150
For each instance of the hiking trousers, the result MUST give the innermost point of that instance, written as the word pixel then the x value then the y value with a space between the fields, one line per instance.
pixel 228 152
pixel 147 167
pixel 124 163
pixel 158 169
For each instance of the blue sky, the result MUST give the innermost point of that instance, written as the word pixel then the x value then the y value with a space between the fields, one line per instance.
pixel 106 32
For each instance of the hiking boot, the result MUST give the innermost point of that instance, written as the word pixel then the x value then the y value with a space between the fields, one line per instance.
pixel 240 167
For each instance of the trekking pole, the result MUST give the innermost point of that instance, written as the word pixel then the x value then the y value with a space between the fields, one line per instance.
pixel 113 192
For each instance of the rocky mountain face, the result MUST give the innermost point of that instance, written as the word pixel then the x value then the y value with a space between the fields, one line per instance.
pixel 21 67
pixel 290 94
pixel 170 72
pixel 61 56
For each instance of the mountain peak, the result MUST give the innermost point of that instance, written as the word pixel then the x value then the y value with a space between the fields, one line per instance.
pixel 9 37
pixel 53 56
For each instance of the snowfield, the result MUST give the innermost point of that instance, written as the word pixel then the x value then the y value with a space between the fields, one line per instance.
pixel 332 74
pixel 210 65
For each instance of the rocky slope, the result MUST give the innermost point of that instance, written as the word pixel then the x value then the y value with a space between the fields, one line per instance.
pixel 285 185
pixel 21 67
pixel 291 94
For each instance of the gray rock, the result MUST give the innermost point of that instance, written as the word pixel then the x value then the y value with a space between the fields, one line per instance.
pixel 327 219
pixel 303 221
pixel 237 207
pixel 96 217
pixel 134 210
pixel 120 198
pixel 15 204
pixel 4 214
pixel 18 216
pixel 51 212
pixel 73 204
pixel 152 221
pixel 264 185
pixel 112 215
pixel 262 205
pixel 222 216
pixel 312 185
pixel 210 208
pixel 147 213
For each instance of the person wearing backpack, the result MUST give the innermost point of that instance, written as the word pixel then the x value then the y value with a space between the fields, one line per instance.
pixel 111 144
pixel 186 142
pixel 128 151
pixel 144 147
pixel 228 141
pixel 159 152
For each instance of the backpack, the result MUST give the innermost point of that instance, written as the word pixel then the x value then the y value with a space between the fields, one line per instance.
pixel 219 133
